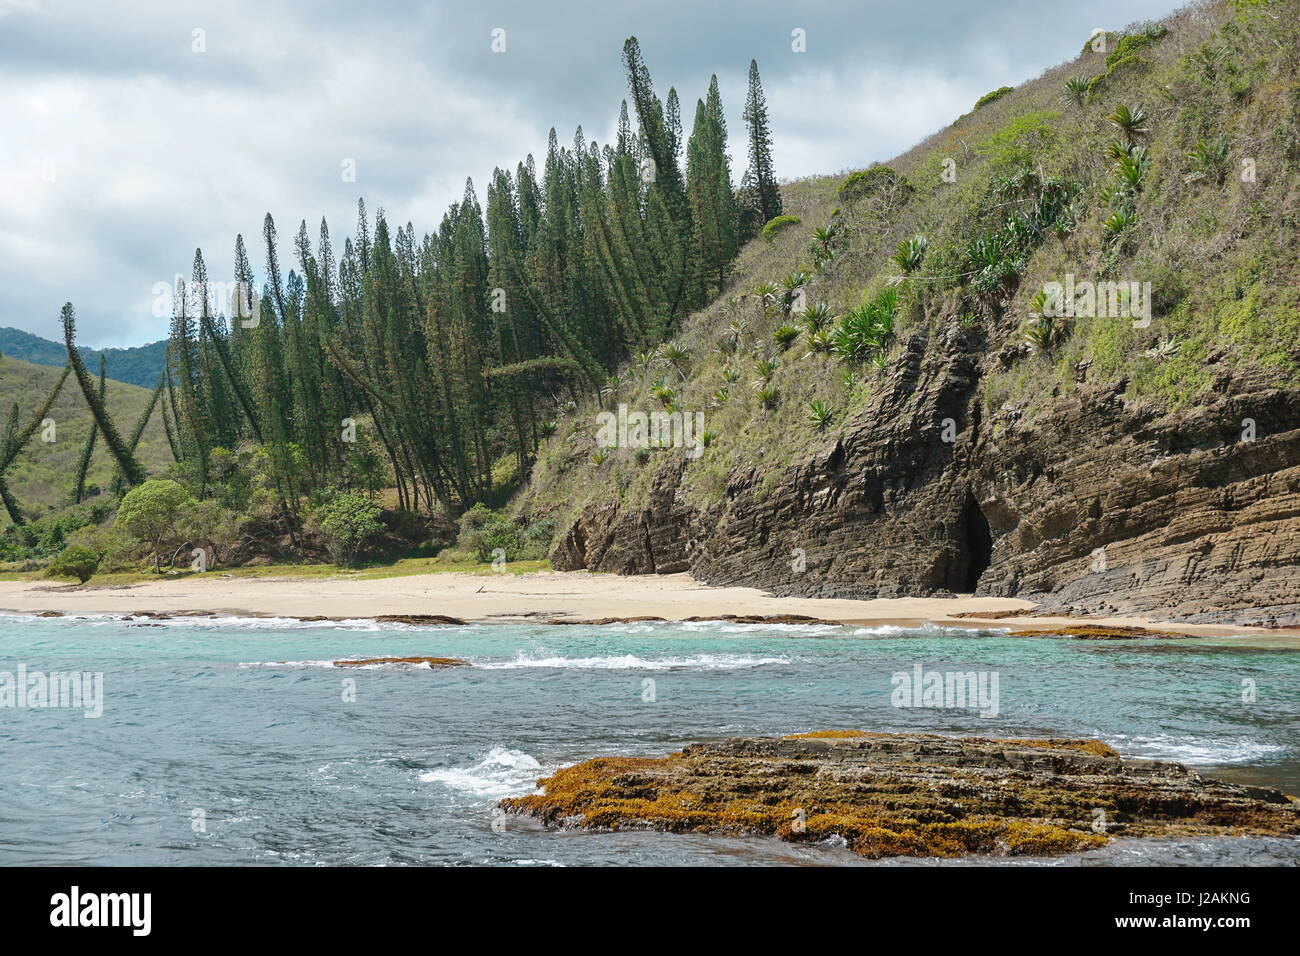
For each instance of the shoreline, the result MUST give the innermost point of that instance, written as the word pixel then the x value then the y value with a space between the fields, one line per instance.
pixel 553 596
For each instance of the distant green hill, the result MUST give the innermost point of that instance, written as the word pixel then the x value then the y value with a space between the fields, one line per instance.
pixel 139 365
pixel 43 475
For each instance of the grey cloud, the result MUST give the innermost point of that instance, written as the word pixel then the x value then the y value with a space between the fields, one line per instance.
pixel 160 150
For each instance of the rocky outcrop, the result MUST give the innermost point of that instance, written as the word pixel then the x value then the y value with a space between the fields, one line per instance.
pixel 1096 506
pixel 908 794
pixel 434 663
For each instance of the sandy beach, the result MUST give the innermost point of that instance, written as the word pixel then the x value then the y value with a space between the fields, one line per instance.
pixel 536 597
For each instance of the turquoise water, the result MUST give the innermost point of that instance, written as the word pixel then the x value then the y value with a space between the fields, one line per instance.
pixel 229 741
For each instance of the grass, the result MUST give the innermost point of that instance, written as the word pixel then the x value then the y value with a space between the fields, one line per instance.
pixel 405 567
pixel 42 476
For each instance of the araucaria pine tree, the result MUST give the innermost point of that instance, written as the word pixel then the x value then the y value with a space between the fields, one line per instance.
pixel 764 195
pixel 433 364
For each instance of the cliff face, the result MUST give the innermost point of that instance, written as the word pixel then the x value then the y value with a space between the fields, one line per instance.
pixel 1097 506
pixel 1101 466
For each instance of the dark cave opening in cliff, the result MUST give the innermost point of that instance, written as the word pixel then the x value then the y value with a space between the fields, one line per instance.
pixel 979 544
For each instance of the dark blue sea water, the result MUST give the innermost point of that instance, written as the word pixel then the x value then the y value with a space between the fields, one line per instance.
pixel 231 741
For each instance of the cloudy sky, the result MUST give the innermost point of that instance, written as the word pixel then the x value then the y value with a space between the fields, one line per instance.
pixel 127 138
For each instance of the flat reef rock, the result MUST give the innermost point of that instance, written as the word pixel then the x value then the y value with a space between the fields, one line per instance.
pixel 907 794
pixel 1092 632
pixel 433 662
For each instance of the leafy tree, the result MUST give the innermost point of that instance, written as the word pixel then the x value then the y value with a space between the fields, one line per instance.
pixel 347 521
pixel 153 513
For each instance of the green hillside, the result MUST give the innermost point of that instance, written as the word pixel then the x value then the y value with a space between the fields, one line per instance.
pixel 138 365
pixel 1035 184
pixel 42 477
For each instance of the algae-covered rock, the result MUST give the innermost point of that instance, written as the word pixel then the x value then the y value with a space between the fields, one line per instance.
pixel 907 794
pixel 1097 632
pixel 433 662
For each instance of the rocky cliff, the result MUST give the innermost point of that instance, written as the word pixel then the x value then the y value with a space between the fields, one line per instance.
pixel 1099 506
pixel 1094 465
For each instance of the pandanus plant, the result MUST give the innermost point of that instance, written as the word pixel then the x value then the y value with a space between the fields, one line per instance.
pixel 1076 90
pixel 1131 122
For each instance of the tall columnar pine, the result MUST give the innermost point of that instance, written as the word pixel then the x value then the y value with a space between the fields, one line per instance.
pixel 446 350
pixel 764 197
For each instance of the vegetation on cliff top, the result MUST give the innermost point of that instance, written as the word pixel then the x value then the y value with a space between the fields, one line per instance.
pixel 1179 170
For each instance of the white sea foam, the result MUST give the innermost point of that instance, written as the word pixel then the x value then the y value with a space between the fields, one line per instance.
pixel 502 773
pixel 329 663
pixel 734 627
pixel 1200 751
pixel 632 662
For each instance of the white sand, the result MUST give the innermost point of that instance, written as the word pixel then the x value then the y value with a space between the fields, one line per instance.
pixel 539 596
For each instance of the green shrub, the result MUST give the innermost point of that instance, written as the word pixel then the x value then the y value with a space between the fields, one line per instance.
pixel 347 522
pixel 74 561
pixel 153 513
pixel 778 225
pixel 1131 43
pixel 988 98
pixel 874 181
pixel 483 531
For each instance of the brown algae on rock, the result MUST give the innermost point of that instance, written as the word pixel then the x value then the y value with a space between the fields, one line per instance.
pixel 907 794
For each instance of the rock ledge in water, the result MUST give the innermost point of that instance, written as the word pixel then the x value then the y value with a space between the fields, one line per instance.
pixel 433 662
pixel 907 794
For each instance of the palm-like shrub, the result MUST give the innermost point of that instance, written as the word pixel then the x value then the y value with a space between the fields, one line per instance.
pixel 823 243
pixel 731 374
pixel 664 394
pixel 1045 333
pixel 993 262
pixel 1119 222
pixel 1131 121
pixel 867 329
pixel 765 293
pixel 1210 159
pixel 1166 348
pixel 1044 303
pixel 791 287
pixel 784 335
pixel 817 315
pixel 820 341
pixel 1076 90
pixel 910 252
pixel 820 414
pixel 1131 168
pixel 768 396
pixel 721 396
pixel 766 368
pixel 676 356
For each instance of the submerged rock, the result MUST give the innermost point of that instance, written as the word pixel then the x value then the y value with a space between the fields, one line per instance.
pixel 907 794
pixel 433 662
pixel 417 619
pixel 728 618
pixel 1092 632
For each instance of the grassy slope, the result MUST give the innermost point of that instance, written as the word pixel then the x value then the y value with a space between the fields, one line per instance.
pixel 1222 259
pixel 42 476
